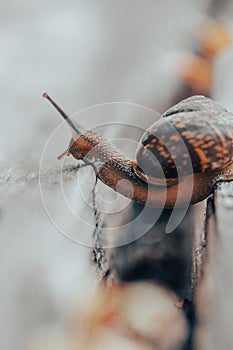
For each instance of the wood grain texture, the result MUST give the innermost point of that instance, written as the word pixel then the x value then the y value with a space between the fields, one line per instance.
pixel 215 292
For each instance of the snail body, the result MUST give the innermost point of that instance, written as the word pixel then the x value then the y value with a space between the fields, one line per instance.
pixel 179 158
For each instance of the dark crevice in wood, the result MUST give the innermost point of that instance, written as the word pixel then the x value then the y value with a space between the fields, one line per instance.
pixel 98 252
pixel 158 257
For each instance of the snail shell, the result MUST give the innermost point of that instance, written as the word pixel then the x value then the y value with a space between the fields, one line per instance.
pixel 194 136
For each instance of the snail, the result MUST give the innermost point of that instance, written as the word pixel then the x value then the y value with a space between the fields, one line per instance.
pixel 180 157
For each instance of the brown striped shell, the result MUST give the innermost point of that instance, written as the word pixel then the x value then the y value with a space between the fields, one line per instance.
pixel 194 136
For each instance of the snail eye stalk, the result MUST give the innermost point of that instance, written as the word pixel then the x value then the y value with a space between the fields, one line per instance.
pixel 77 128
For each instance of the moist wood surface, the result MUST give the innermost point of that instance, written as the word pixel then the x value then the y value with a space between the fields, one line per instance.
pixel 215 289
pixel 166 259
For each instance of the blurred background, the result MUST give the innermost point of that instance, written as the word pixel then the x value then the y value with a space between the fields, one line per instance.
pixel 83 53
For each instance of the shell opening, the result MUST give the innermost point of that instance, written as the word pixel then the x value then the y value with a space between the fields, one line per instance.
pixel 153 180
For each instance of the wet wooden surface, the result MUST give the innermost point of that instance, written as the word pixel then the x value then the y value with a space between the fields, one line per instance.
pixel 208 286
pixel 213 295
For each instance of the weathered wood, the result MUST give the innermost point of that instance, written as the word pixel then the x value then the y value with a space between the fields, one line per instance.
pixel 156 256
pixel 215 291
pixel 199 242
